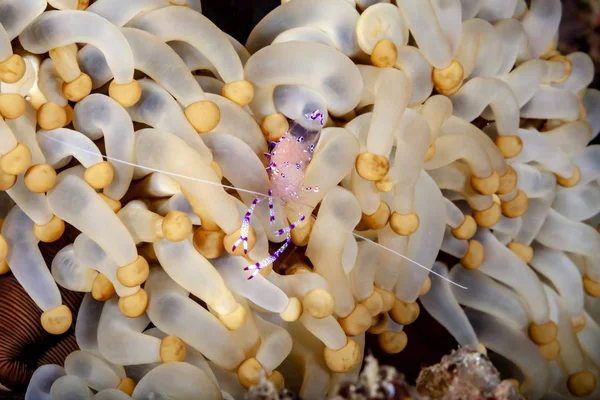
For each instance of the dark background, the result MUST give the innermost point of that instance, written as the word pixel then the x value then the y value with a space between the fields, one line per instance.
pixel 237 17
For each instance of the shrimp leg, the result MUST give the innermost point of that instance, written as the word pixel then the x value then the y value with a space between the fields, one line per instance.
pixel 246 226
pixel 269 260
pixel 271 210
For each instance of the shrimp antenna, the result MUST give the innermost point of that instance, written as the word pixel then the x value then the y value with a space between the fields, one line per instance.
pixel 246 191
pixel 410 260
pixel 158 170
pixel 393 252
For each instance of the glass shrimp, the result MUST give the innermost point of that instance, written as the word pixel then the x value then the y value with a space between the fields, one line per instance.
pixel 288 161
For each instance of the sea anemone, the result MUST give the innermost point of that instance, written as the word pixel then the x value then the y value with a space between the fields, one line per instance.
pixel 381 141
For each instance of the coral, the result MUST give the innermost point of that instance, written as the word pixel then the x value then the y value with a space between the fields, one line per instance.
pixel 265 390
pixel 465 374
pixel 377 382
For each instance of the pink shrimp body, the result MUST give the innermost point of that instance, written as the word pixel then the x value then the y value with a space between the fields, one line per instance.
pixel 291 155
pixel 289 160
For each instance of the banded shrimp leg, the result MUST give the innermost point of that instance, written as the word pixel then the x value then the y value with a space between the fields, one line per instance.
pixel 243 239
pixel 255 268
pixel 289 158
pixel 263 195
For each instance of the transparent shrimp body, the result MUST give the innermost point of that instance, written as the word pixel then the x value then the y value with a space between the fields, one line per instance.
pixel 287 165
pixel 289 159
